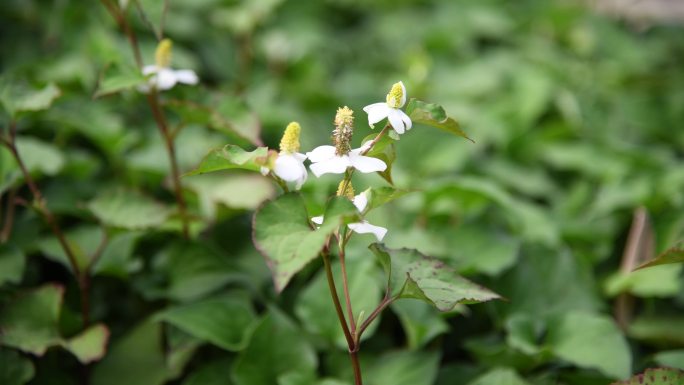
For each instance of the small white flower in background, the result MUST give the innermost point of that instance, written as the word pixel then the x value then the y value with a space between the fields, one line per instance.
pixel 360 201
pixel 289 165
pixel 162 77
pixel 336 159
pixel 390 109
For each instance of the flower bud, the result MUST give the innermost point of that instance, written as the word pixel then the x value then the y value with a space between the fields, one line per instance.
pixel 345 189
pixel 344 128
pixel 396 97
pixel 289 144
pixel 162 55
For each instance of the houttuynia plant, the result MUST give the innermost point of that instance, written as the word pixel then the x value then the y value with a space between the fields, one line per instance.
pixel 290 237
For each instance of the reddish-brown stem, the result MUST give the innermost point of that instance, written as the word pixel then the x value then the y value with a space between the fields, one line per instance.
pixel 41 206
pixel 345 286
pixel 354 355
pixel 159 117
pixel 120 19
pixel 386 301
pixel 9 216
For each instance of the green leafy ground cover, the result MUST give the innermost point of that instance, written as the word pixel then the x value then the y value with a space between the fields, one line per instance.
pixel 576 122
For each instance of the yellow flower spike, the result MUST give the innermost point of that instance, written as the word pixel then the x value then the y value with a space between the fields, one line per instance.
pixel 344 129
pixel 345 189
pixel 289 144
pixel 162 55
pixel 396 97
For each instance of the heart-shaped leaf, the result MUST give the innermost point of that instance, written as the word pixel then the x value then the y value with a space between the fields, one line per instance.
pixel 284 235
pixel 413 275
pixel 230 157
pixel 434 115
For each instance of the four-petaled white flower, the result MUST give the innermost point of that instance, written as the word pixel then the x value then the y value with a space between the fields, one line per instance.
pixel 161 75
pixel 324 159
pixel 289 165
pixel 390 109
pixel 363 227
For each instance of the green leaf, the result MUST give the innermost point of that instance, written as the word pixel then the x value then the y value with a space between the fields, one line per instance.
pixel 420 321
pixel 382 195
pixel 524 332
pixel 116 259
pixel 590 341
pixel 275 350
pixel 90 345
pixel 18 98
pixel 128 210
pixel 656 376
pixel 672 255
pixel 413 275
pixel 284 234
pixel 670 358
pixel 385 150
pixel 39 156
pixel 119 78
pixel 665 330
pixel 403 368
pixel 434 115
pixel 242 192
pixel 212 373
pixel 136 359
pixel 15 369
pixel 499 376
pixel 29 322
pixel 658 281
pixel 226 321
pixel 193 270
pixel 314 307
pixel 84 242
pixel 231 157
pixel 12 264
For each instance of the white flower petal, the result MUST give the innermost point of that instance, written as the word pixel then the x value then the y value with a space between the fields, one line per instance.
pixel 186 77
pixel 361 201
pixel 334 165
pixel 300 157
pixel 165 79
pixel 317 220
pixel 150 69
pixel 376 112
pixel 321 153
pixel 406 119
pixel 289 168
pixel 403 95
pixel 366 164
pixel 366 228
pixel 395 120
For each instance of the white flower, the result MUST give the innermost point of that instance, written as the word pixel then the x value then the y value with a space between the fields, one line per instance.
pixel 325 160
pixel 161 76
pixel 164 78
pixel 390 109
pixel 363 227
pixel 289 165
pixel 290 168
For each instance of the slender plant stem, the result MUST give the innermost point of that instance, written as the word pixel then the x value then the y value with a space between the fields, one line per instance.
pixel 9 216
pixel 386 301
pixel 358 380
pixel 336 300
pixel 157 112
pixel 345 286
pixel 41 206
pixel 160 119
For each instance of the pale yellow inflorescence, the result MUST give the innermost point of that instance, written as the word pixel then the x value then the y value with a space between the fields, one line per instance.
pixel 162 55
pixel 345 189
pixel 289 144
pixel 395 95
pixel 344 129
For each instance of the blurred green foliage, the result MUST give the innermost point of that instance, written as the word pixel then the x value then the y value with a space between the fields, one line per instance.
pixel 577 121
